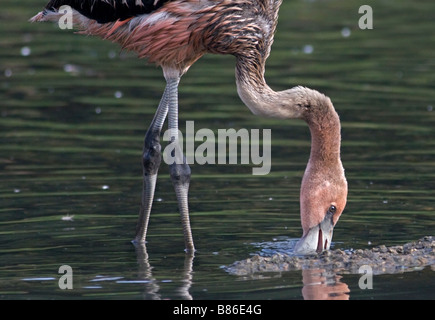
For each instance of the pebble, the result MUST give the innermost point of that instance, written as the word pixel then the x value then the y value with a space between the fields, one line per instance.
pixel 381 259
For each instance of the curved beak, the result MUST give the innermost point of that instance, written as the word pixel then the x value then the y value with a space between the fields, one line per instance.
pixel 317 239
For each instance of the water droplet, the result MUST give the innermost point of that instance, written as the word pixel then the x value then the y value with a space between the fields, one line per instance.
pixel 345 32
pixel 25 51
pixel 308 49
pixel 70 68
pixel 67 218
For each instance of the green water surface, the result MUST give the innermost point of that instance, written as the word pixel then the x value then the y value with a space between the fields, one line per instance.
pixel 74 111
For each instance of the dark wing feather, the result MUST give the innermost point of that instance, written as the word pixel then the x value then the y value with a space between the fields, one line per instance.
pixel 104 11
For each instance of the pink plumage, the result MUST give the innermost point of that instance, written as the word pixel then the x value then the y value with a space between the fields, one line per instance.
pixel 176 33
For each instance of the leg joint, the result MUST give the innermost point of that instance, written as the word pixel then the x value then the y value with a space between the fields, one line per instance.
pixel 180 173
pixel 152 155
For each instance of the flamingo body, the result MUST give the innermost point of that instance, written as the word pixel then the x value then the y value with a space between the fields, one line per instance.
pixel 174 34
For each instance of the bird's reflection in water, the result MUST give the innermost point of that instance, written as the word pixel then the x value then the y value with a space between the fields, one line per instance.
pixel 151 285
pixel 320 284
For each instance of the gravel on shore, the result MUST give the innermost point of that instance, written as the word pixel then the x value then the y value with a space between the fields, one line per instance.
pixel 395 259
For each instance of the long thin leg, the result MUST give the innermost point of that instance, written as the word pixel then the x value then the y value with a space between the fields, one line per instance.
pixel 151 163
pixel 179 169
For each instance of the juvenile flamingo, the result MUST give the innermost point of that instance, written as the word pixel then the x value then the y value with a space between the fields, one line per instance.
pixel 174 34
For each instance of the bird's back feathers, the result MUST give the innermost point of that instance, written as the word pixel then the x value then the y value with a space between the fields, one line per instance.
pixel 104 11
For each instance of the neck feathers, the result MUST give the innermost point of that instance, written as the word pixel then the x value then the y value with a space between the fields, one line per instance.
pixel 257 95
pixel 296 103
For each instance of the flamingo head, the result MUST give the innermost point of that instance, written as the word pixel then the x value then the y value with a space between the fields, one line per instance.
pixel 323 198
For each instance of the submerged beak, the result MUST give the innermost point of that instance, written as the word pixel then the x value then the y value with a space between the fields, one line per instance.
pixel 318 238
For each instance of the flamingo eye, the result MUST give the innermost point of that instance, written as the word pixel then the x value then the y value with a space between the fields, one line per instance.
pixel 332 209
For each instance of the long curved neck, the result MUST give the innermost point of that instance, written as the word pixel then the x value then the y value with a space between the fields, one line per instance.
pixel 325 138
pixel 256 94
pixel 296 103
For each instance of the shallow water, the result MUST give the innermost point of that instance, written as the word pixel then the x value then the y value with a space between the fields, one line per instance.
pixel 74 111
